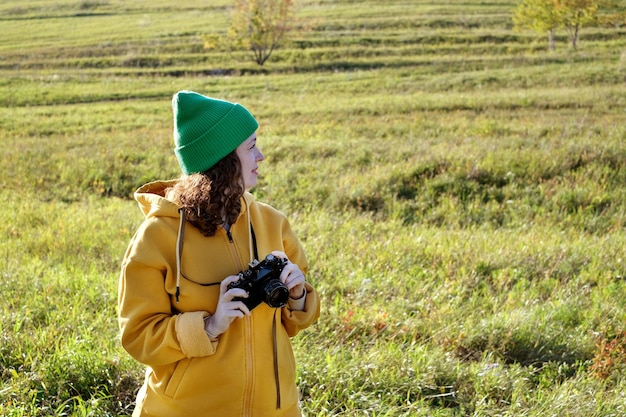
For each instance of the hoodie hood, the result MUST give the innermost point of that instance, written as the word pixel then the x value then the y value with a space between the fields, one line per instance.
pixel 153 203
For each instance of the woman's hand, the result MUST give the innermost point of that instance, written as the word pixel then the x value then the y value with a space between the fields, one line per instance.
pixel 227 309
pixel 292 277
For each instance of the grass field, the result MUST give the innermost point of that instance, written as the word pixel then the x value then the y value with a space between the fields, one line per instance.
pixel 458 188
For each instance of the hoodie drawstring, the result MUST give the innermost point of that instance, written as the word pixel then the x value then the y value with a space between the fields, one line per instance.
pixel 179 249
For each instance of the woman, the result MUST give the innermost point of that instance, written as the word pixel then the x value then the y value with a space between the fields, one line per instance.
pixel 207 352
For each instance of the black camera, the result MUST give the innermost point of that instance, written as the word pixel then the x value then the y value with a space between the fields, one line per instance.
pixel 262 283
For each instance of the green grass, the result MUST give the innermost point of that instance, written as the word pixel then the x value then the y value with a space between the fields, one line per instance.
pixel 459 191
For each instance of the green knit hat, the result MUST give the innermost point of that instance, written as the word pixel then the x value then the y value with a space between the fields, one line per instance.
pixel 207 129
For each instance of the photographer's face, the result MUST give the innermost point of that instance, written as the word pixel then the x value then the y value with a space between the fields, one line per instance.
pixel 249 155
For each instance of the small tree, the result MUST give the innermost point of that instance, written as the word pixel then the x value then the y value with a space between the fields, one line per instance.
pixel 260 26
pixel 538 15
pixel 574 14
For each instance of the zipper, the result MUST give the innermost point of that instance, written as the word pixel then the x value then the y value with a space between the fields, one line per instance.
pixel 247 335
pixel 233 250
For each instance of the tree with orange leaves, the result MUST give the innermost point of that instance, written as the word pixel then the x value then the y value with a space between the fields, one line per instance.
pixel 574 14
pixel 260 26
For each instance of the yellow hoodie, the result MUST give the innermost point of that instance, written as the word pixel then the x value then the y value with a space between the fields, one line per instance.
pixel 250 370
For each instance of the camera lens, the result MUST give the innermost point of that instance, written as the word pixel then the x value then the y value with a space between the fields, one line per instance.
pixel 276 293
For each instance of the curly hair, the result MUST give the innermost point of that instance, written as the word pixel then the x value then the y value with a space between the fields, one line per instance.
pixel 212 197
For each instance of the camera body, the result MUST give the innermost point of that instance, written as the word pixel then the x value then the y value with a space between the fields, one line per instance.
pixel 262 283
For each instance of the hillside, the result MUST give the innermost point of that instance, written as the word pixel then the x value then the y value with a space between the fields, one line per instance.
pixel 459 191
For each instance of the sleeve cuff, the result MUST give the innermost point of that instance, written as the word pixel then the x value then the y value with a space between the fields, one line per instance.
pixel 298 304
pixel 193 340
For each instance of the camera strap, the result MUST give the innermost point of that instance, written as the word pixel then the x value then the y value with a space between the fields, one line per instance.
pixel 256 250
